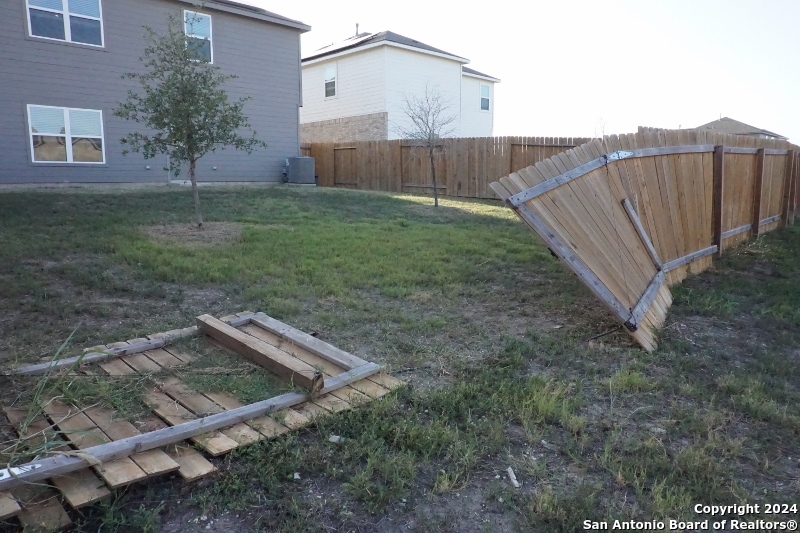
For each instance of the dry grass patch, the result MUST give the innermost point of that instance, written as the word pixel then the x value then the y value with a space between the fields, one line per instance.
pixel 211 234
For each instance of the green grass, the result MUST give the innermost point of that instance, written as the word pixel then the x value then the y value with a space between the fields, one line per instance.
pixel 462 301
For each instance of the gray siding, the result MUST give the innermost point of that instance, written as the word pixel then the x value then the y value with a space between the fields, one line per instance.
pixel 265 56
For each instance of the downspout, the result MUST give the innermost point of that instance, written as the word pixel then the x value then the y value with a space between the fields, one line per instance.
pixel 300 89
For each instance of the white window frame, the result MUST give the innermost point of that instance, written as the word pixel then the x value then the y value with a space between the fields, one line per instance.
pixel 335 80
pixel 210 31
pixel 480 95
pixel 67 29
pixel 67 135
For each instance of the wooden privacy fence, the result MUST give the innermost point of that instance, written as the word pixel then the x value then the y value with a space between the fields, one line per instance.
pixel 464 167
pixel 631 215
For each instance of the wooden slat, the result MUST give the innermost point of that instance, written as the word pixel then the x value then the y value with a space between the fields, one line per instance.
pixel 201 406
pixel 83 433
pixel 575 264
pixel 312 344
pixel 291 418
pixel 41 510
pixel 142 364
pixel 8 506
pixel 262 354
pixel 181 354
pixel 214 442
pixel 366 386
pixel 51 466
pixel 117 367
pixel 597 163
pixel 163 358
pixel 193 465
pixel 152 462
pixel 266 425
pixel 79 488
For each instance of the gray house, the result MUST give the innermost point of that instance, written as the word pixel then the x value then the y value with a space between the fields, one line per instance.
pixel 61 63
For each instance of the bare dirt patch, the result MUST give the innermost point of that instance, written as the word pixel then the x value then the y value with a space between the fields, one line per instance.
pixel 210 234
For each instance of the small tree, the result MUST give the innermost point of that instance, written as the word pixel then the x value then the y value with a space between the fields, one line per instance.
pixel 182 102
pixel 431 121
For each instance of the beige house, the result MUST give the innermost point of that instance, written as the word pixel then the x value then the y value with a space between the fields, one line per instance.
pixel 734 127
pixel 354 90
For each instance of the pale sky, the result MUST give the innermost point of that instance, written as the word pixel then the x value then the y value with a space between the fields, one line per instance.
pixel 580 68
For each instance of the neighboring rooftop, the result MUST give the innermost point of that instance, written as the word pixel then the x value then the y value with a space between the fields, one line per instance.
pixel 472 72
pixel 252 11
pixel 734 127
pixel 367 39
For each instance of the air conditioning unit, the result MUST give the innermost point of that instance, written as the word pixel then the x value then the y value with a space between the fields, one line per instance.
pixel 301 170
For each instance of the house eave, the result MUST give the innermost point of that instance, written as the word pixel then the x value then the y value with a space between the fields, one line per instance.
pixel 324 57
pixel 487 78
pixel 231 7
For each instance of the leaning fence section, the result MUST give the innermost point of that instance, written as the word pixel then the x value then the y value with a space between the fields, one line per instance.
pixel 464 167
pixel 633 214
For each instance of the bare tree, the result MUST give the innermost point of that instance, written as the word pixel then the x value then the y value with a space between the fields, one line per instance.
pixel 431 121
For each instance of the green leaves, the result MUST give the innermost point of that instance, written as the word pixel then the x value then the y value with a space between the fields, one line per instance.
pixel 183 103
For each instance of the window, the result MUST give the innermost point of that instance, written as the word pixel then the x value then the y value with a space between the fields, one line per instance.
pixel 65 135
pixel 484 97
pixel 198 35
pixel 74 21
pixel 330 80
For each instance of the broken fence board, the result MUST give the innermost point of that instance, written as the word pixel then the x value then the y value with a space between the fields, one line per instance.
pixel 81 487
pixel 575 264
pixel 328 369
pixel 594 164
pixel 8 506
pixel 51 466
pixel 172 412
pixel 158 340
pixel 41 510
pixel 152 462
pixel 83 433
pixel 262 353
pixel 647 298
pixel 314 345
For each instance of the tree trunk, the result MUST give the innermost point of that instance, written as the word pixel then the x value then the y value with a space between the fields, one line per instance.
pixel 433 175
pixel 197 212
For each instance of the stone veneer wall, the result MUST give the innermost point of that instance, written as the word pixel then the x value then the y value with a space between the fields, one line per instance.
pixel 372 127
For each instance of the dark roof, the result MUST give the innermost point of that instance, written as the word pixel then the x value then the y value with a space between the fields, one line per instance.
pixel 474 72
pixel 729 125
pixel 364 39
pixel 252 11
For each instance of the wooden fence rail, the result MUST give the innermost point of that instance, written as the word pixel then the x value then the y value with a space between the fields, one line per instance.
pixel 464 167
pixel 631 215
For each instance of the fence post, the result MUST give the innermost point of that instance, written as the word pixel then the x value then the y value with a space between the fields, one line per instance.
pixel 796 186
pixel 758 188
pixel 787 189
pixel 719 178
